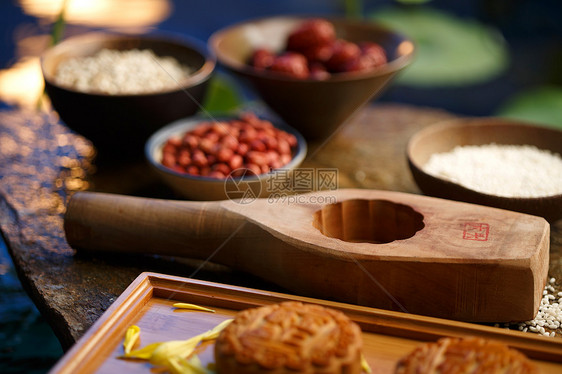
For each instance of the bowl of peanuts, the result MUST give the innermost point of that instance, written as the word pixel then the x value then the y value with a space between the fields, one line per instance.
pixel 238 157
pixel 313 72
pixel 116 90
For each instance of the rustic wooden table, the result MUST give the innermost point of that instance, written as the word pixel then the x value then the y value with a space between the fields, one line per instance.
pixel 42 163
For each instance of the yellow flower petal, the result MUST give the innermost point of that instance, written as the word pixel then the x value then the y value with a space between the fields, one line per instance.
pixel 192 307
pixel 144 353
pixel 215 331
pixel 131 338
pixel 175 367
pixel 365 365
pixel 173 349
pixel 179 365
pixel 171 354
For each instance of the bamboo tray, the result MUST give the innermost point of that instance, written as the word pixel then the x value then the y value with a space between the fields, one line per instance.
pixel 147 302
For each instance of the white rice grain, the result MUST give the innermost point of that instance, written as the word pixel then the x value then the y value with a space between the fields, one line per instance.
pixel 118 72
pixel 549 315
pixel 500 170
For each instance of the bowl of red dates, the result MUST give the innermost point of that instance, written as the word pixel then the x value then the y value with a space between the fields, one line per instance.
pixel 313 72
pixel 237 157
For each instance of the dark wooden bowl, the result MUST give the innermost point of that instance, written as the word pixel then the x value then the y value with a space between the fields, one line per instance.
pixel 443 137
pixel 119 125
pixel 314 107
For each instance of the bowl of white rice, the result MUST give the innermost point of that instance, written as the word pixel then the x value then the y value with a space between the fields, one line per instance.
pixel 116 90
pixel 491 161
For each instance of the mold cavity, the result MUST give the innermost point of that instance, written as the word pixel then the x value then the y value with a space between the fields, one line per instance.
pixel 369 221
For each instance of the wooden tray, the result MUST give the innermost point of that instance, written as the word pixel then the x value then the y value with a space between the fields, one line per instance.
pixel 147 302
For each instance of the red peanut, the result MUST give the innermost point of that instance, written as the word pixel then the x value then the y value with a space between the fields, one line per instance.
pixel 205 171
pixel 248 135
pixel 207 146
pixel 255 169
pixel 258 145
pixel 220 149
pixel 168 159
pixel 201 129
pixel 236 162
pixel 223 168
pixel 173 142
pixel 284 147
pixel 190 141
pixel 199 159
pixel 285 159
pixel 178 169
pixel 258 158
pixel 270 142
pixel 211 159
pixel 225 154
pixel 184 158
pixel 220 128
pixel 193 170
pixel 217 174
pixel 243 148
pixel 212 136
pixel 169 148
pixel 229 142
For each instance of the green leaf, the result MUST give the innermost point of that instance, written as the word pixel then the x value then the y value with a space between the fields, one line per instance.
pixel 58 27
pixel 542 105
pixel 450 51
pixel 222 96
pixel 353 8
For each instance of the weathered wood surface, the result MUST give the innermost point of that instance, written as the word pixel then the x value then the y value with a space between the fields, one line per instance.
pixel 41 162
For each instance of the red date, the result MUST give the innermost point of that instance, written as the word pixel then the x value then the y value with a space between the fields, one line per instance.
pixel 292 64
pixel 313 52
pixel 343 54
pixel 262 58
pixel 311 33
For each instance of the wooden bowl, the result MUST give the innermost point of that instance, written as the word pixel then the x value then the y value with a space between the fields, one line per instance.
pixel 206 188
pixel 443 137
pixel 119 125
pixel 314 107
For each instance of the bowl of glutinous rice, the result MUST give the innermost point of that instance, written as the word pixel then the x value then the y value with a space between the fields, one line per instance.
pixel 116 90
pixel 491 161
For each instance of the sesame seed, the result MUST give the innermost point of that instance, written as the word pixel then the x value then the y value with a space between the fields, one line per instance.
pixel 549 314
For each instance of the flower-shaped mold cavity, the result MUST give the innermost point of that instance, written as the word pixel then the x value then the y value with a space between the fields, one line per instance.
pixel 370 221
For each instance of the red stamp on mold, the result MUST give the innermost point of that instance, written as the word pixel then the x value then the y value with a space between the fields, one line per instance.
pixel 476 231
